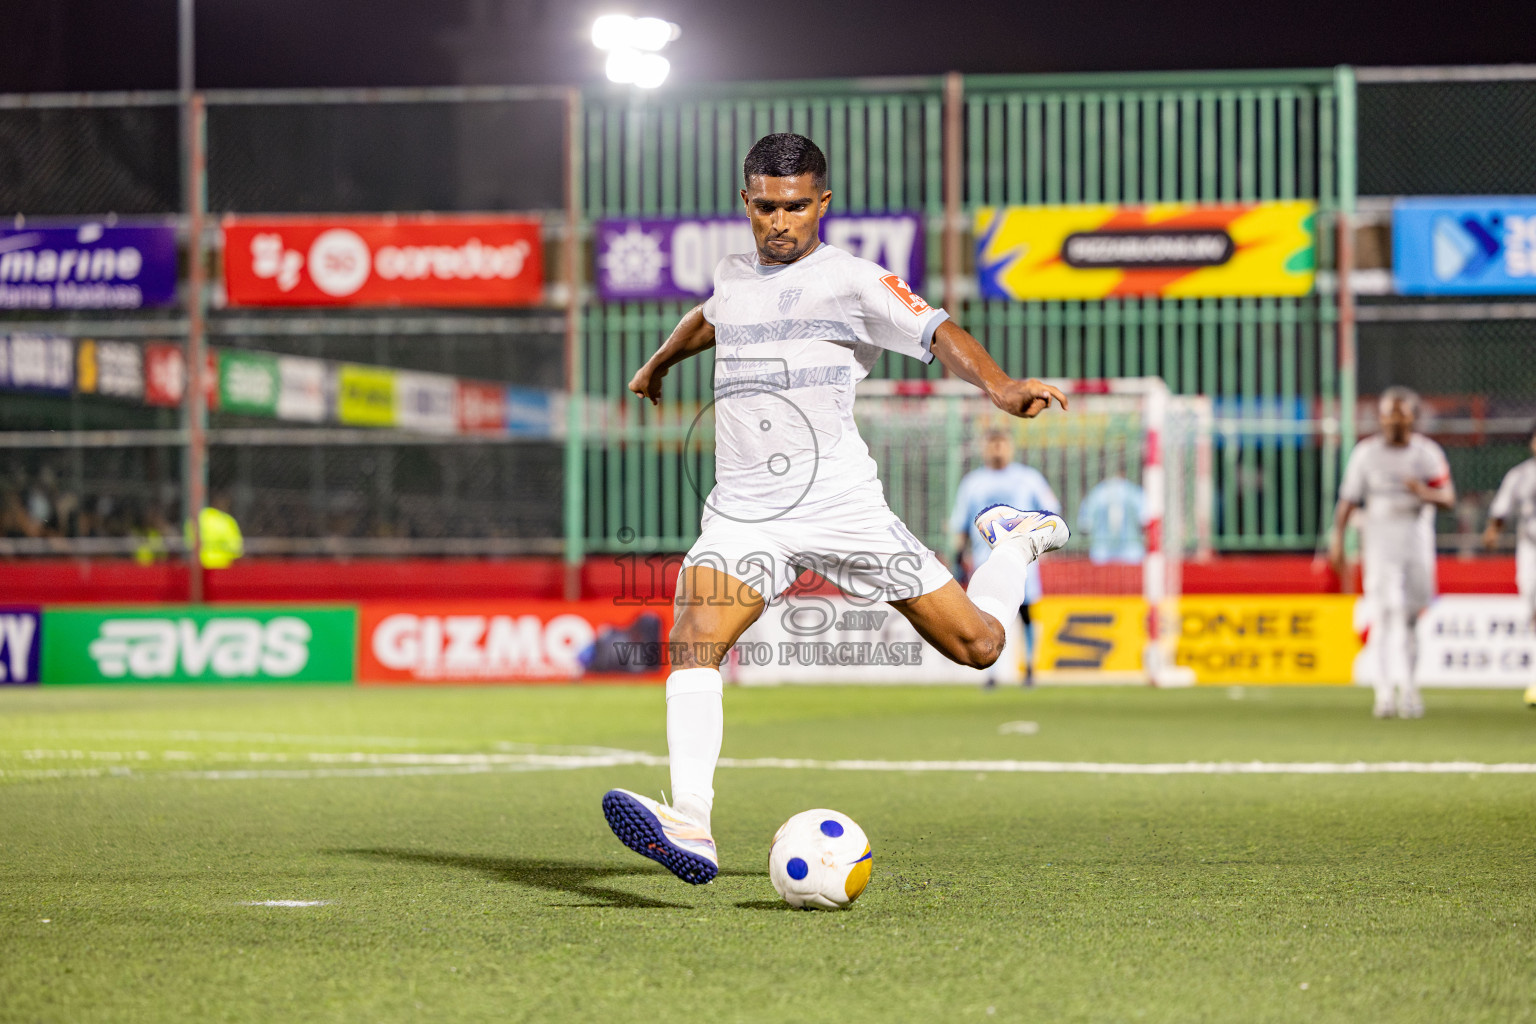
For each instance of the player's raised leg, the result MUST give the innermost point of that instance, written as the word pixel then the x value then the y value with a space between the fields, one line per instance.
pixel 711 610
pixel 967 626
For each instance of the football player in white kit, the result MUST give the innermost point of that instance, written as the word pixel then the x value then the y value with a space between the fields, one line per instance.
pixel 1516 501
pixel 795 326
pixel 1399 478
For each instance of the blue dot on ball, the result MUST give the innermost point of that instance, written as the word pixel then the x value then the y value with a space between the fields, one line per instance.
pixel 796 868
pixel 831 828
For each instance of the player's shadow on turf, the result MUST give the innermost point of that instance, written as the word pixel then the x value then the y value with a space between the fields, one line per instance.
pixel 553 875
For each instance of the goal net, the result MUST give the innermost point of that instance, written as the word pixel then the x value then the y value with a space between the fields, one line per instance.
pixel 1131 467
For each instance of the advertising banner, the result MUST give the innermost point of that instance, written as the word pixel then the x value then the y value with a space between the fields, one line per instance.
pixel 302 391
pixel 191 645
pixel 1102 636
pixel 21 643
pixel 1177 250
pixel 365 396
pixel 37 362
pixel 114 369
pixel 425 402
pixel 87 266
pixel 248 382
pixel 383 261
pixel 675 257
pixel 165 376
pixel 510 641
pixel 1476 640
pixel 481 408
pixel 1268 639
pixel 533 413
pixel 1464 245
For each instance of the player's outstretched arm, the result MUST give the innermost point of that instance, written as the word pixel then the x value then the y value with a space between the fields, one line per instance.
pixel 692 335
pixel 964 357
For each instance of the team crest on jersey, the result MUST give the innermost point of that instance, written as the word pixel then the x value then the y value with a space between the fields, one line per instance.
pixel 787 299
pixel 903 291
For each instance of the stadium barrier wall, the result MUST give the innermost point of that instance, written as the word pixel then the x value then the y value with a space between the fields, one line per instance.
pixel 1465 640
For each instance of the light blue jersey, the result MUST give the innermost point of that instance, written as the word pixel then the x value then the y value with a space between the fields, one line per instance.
pixel 1016 485
pixel 1111 516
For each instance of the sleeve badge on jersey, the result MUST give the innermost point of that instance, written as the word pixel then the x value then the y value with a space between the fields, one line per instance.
pixel 900 289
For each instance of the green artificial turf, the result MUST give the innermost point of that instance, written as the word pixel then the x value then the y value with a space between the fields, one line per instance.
pixel 137 823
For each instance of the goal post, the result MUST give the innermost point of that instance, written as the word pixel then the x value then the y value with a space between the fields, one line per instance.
pixel 1130 463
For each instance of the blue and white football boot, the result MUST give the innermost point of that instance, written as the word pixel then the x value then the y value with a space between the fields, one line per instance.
pixel 654 830
pixel 1038 531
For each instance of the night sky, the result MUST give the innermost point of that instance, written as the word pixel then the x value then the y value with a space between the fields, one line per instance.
pixel 50 45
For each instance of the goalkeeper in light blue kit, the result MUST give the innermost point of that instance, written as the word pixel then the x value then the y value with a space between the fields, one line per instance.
pixel 1000 481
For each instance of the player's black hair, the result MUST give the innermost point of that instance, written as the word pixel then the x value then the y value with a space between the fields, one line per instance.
pixel 785 155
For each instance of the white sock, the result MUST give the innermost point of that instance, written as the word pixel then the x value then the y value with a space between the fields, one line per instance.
pixel 998 586
pixel 1394 669
pixel 695 725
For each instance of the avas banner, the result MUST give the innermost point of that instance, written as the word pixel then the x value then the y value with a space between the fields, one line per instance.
pixel 1177 250
pixel 195 645
pixel 87 266
pixel 1472 245
pixel 509 641
pixel 248 382
pixel 21 642
pixel 675 257
pixel 383 261
pixel 1269 639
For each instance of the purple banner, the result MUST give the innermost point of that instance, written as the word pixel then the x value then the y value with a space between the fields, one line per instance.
pixel 20 643
pixel 87 266
pixel 675 257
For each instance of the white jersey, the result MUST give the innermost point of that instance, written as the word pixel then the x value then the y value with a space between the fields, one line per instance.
pixel 791 342
pixel 1399 526
pixel 1516 501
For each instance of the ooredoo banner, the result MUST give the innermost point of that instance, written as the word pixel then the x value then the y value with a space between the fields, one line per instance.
pixel 509 641
pixel 383 261
pixel 1177 250
pixel 675 257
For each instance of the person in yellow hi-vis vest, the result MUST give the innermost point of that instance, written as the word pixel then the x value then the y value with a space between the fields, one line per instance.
pixel 220 535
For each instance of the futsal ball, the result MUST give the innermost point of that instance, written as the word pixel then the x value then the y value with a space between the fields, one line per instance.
pixel 820 858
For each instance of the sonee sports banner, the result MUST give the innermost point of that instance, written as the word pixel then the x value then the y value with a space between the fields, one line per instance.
pixel 383 261
pixel 1175 250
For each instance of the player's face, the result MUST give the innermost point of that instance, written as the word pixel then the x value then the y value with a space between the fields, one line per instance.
pixel 998 452
pixel 786 215
pixel 1397 420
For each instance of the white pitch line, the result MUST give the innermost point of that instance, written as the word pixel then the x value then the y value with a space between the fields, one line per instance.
pixel 285 903
pixel 385 765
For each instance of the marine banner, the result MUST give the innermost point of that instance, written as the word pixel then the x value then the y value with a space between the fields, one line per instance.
pixel 383 261
pixel 21 643
pixel 1175 250
pixel 87 266
pixel 1464 245
pixel 1268 639
pixel 276 644
pixel 510 641
pixel 675 257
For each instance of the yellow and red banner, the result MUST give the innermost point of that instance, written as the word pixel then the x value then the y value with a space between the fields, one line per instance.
pixel 1173 250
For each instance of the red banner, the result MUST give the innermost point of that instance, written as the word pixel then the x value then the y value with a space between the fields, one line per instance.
pixel 165 376
pixel 383 261
pixel 510 641
pixel 482 408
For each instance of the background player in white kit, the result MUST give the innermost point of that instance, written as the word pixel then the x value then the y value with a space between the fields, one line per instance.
pixel 1399 478
pixel 1516 501
pixel 1001 481
pixel 796 325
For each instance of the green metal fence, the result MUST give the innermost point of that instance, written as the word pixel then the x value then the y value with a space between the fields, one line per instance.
pixel 1273 365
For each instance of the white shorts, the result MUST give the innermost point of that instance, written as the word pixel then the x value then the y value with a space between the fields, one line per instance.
pixel 1525 575
pixel 861 547
pixel 1399 584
